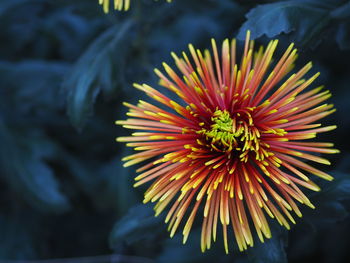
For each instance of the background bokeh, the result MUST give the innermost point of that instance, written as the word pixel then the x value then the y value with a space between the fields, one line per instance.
pixel 66 68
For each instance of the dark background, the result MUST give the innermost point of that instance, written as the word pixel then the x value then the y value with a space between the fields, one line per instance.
pixel 65 69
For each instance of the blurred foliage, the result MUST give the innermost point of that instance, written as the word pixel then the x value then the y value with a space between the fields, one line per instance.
pixel 65 68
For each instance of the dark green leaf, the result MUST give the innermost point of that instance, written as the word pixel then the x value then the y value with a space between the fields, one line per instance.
pixel 329 204
pixel 341 12
pixel 33 86
pixel 16 240
pixel 176 252
pixel 138 224
pixel 343 36
pixel 304 18
pixel 22 162
pixel 273 249
pixel 98 68
pixel 116 186
pixel 339 189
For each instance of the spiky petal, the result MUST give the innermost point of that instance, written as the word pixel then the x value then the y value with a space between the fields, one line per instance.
pixel 118 4
pixel 231 148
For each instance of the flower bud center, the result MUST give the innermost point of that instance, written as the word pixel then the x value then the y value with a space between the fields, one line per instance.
pixel 232 133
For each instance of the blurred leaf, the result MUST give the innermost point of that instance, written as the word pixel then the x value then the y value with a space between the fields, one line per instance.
pixel 95 71
pixel 335 252
pixel 305 237
pixel 343 36
pixel 305 18
pixel 45 28
pixel 199 29
pixel 339 189
pixel 22 160
pixel 138 224
pixel 176 252
pixel 20 23
pixel 343 166
pixel 329 202
pixel 330 212
pixel 16 241
pixel 116 186
pixel 341 12
pixel 8 5
pixel 32 85
pixel 273 249
pixel 83 174
pixel 66 26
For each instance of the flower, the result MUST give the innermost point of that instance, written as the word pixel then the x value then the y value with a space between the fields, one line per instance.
pixel 118 4
pixel 230 149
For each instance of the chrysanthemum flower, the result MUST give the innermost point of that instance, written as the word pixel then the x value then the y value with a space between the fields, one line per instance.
pixel 230 148
pixel 118 5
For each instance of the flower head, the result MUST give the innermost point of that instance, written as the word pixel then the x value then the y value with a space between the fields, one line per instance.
pixel 230 149
pixel 118 5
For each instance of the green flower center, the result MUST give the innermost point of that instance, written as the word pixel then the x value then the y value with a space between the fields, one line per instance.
pixel 222 130
pixel 231 133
